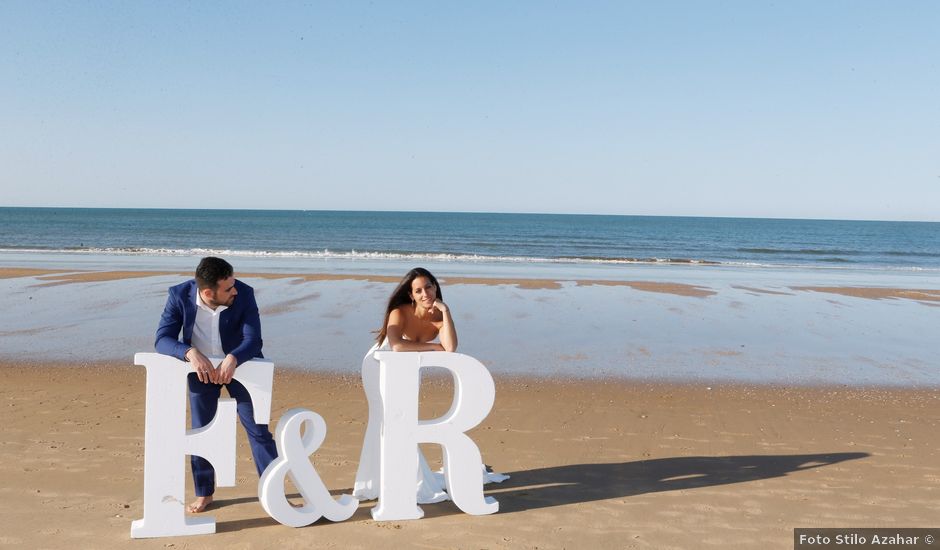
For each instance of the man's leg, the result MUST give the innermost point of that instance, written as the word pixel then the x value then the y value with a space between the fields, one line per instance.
pixel 203 402
pixel 263 448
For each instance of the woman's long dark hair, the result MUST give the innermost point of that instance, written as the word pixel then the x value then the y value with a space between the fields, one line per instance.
pixel 402 295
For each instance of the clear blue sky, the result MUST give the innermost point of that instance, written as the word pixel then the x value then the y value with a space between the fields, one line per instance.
pixel 805 109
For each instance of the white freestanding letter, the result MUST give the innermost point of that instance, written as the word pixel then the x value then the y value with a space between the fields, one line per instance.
pixel 291 461
pixel 167 441
pixel 474 393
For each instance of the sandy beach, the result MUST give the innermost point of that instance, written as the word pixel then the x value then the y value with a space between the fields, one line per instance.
pixel 594 464
pixel 695 245
pixel 779 426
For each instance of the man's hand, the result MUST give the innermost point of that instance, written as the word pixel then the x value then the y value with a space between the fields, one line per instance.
pixel 204 369
pixel 227 369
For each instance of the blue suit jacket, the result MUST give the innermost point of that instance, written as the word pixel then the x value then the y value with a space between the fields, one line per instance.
pixel 239 325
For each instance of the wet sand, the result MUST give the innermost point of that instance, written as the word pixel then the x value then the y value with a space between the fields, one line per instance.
pixel 698 324
pixel 594 464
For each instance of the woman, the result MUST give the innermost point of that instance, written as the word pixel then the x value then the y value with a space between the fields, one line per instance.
pixel 416 314
pixel 414 317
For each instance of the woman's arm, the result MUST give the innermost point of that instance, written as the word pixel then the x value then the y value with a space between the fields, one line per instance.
pixel 394 334
pixel 448 333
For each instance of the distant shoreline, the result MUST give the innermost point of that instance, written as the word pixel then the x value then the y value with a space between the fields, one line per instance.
pixel 52 277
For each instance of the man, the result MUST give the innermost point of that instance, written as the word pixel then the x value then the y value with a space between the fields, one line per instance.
pixel 214 315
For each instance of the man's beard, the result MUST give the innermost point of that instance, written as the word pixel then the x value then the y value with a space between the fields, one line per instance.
pixel 213 303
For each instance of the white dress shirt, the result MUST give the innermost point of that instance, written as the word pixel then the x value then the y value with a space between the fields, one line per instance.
pixel 206 336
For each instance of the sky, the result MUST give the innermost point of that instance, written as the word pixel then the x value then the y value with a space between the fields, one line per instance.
pixel 787 109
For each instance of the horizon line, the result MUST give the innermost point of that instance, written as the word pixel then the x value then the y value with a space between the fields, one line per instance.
pixel 730 217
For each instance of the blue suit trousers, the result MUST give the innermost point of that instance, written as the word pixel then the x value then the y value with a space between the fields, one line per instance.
pixel 203 402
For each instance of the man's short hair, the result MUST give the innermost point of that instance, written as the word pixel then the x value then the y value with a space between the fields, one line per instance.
pixel 211 270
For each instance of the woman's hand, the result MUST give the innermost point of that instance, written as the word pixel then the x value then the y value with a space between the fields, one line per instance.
pixel 447 334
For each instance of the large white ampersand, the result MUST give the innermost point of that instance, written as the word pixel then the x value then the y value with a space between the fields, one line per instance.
pixel 293 450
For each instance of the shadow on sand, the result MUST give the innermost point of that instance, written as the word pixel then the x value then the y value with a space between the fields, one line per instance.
pixel 578 483
pixel 559 485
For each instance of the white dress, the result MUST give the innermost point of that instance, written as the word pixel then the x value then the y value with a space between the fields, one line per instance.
pixel 430 485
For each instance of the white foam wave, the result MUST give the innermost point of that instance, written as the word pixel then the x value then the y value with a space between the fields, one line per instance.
pixel 354 255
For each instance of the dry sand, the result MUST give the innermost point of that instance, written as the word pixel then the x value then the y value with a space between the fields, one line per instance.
pixel 594 464
pixel 877 293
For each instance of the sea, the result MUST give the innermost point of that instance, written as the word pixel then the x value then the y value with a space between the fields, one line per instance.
pixel 351 240
pixel 764 310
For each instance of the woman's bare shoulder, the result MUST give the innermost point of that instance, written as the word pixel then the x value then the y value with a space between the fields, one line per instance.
pixel 400 315
pixel 403 310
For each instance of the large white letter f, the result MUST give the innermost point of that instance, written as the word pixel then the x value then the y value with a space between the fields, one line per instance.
pixel 167 442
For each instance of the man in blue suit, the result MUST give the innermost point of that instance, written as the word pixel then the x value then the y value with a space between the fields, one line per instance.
pixel 215 315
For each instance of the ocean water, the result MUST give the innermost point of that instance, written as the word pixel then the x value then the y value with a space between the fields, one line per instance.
pixel 474 238
pixel 762 322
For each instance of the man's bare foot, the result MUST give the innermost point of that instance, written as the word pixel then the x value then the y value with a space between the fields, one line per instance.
pixel 200 504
